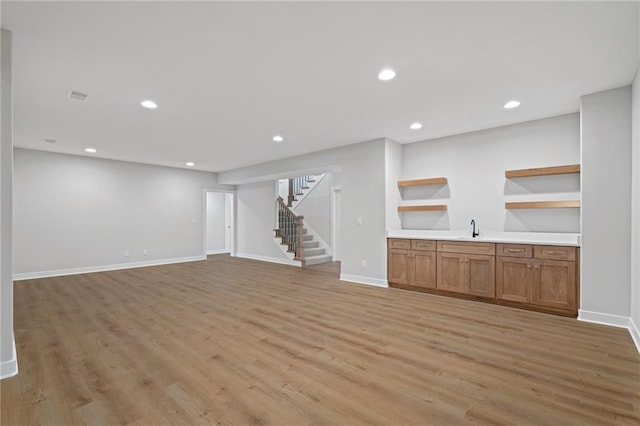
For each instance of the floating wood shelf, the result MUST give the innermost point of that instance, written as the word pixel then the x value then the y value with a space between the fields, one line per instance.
pixel 430 208
pixel 543 171
pixel 569 204
pixel 420 182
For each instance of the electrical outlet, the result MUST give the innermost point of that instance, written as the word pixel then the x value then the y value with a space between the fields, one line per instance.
pixel 127 253
pixel 193 220
pixel 145 252
pixel 363 263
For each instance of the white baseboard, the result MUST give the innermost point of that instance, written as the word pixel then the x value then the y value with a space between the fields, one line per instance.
pixel 604 319
pixel 364 280
pixel 10 368
pixel 635 335
pixel 281 261
pixel 103 268
pixel 220 251
pixel 614 321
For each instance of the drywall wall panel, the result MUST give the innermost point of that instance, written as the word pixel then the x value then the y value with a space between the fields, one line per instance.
pixel 256 220
pixel 80 212
pixel 606 202
pixel 475 164
pixel 8 361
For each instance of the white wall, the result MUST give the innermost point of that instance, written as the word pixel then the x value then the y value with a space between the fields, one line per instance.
pixel 606 206
pixel 362 179
pixel 8 361
pixel 76 212
pixel 316 207
pixel 256 220
pixel 635 209
pixel 393 171
pixel 475 163
pixel 216 208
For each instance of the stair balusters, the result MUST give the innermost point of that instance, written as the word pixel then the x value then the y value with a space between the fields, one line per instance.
pixel 290 228
pixel 296 186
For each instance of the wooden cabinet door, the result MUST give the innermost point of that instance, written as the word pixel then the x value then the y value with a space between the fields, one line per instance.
pixel 480 275
pixel 555 284
pixel 514 278
pixel 398 266
pixel 451 272
pixel 423 269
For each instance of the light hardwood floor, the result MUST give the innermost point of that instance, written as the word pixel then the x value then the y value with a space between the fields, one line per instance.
pixel 233 341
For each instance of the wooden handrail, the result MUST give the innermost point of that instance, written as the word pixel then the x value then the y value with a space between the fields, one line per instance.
pixel 285 207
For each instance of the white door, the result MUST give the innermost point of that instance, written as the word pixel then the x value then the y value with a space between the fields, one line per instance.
pixel 336 223
pixel 228 201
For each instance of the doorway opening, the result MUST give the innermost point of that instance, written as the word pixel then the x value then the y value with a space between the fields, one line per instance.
pixel 219 222
pixel 336 222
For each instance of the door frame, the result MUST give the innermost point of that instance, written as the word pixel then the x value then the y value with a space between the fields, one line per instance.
pixel 334 193
pixel 232 219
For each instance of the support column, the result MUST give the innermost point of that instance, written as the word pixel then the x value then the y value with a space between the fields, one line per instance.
pixel 8 359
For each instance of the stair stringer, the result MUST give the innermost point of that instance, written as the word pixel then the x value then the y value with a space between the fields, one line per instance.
pixel 284 248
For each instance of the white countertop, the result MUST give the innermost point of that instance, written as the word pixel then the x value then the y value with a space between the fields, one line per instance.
pixel 551 239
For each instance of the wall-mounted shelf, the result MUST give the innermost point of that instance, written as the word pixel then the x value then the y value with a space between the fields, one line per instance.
pixel 543 171
pixel 429 208
pixel 570 204
pixel 420 182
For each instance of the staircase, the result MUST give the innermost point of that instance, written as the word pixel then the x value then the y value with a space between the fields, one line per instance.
pixel 295 238
pixel 299 187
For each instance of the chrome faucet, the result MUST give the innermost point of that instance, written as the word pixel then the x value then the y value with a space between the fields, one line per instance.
pixel 474 233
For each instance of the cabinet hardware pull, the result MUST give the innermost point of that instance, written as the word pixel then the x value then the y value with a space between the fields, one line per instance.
pixel 553 252
pixel 514 250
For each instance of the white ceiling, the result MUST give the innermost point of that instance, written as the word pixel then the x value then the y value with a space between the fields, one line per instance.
pixel 228 76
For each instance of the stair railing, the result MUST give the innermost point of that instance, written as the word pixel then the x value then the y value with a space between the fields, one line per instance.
pixel 290 229
pixel 296 186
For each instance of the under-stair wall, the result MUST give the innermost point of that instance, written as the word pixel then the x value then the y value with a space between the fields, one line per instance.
pixel 316 206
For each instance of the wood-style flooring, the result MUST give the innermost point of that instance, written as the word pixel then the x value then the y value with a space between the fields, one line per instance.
pixel 234 341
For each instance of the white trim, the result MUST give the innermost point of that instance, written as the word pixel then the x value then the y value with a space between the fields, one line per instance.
pixel 604 319
pixel 281 261
pixel 232 218
pixel 103 268
pixel 364 280
pixel 219 251
pixel 635 335
pixel 334 190
pixel 10 368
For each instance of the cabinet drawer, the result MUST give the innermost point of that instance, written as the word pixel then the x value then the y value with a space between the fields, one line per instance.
pixel 395 243
pixel 423 245
pixel 514 250
pixel 463 247
pixel 554 253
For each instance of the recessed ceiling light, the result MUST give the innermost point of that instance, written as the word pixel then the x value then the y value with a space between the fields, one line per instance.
pixel 77 95
pixel 190 164
pixel 512 104
pixel 387 74
pixel 47 140
pixel 416 126
pixel 91 150
pixel 278 138
pixel 149 104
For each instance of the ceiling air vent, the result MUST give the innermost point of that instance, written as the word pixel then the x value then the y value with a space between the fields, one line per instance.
pixel 77 95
